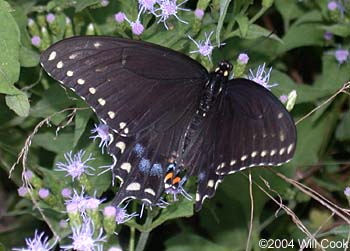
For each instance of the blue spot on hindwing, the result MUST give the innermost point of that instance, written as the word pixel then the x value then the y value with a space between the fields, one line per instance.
pixel 139 150
pixel 156 170
pixel 144 165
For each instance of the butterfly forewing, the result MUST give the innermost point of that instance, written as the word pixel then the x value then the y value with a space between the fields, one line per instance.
pixel 130 84
pixel 139 90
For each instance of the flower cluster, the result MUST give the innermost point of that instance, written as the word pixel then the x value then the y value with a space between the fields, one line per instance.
pixel 161 9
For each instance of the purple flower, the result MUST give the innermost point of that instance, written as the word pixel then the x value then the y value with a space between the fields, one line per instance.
pixel 137 28
pixel 63 224
pixel 75 165
pixel 104 3
pixel 122 216
pixel 30 21
pixel 328 35
pixel 199 13
pixel 284 98
pixel 84 237
pixel 102 131
pixel 177 189
pixel 77 201
pixel 44 193
pixel 262 77
pixel 36 41
pixel 332 5
pixel 66 192
pixel 347 192
pixel 341 55
pixel 92 203
pixel 205 48
pixel 22 191
pixel 110 211
pixel 169 8
pixel 50 18
pixel 28 175
pixel 115 249
pixel 38 243
pixel 119 17
pixel 147 5
pixel 243 58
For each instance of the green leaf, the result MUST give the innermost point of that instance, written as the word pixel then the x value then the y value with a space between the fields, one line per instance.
pixel 243 23
pixel 176 210
pixel 314 135
pixel 80 5
pixel 81 119
pixel 61 143
pixel 342 30
pixel 223 11
pixel 54 99
pixel 28 57
pixel 289 9
pixel 256 31
pixel 190 242
pixel 183 208
pixel 9 47
pixel 343 130
pixel 295 37
pixel 19 104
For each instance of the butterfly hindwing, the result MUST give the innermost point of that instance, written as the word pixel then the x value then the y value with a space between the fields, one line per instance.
pixel 248 126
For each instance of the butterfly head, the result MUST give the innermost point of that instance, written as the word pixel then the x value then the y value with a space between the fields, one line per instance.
pixel 224 68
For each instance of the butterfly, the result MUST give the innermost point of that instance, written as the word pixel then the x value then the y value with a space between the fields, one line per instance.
pixel 168 115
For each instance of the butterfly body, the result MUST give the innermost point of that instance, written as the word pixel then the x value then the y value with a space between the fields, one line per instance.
pixel 163 108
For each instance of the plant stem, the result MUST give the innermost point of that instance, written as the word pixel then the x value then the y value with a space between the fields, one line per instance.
pixel 257 15
pixel 132 239
pixel 141 244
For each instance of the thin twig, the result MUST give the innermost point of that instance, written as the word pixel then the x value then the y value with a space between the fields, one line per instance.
pixel 343 89
pixel 251 211
pixel 23 155
pixel 341 212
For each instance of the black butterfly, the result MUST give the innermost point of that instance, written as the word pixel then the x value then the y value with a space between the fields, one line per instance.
pixel 168 113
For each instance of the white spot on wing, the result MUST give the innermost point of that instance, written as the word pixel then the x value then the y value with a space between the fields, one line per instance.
pixel 150 191
pixel 121 145
pixel 69 73
pixel 92 90
pixel 210 183
pixel 52 56
pixel 97 44
pixel 126 166
pixel 290 148
pixel 59 65
pixel 273 152
pixel 198 197
pixel 280 115
pixel 73 56
pixel 122 125
pixel 81 81
pixel 101 101
pixel 111 114
pixel 254 154
pixel 283 149
pixel 263 153
pixel 244 157
pixel 133 186
pixel 232 162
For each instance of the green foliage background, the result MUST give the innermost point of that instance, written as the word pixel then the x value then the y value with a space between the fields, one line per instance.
pixel 302 60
